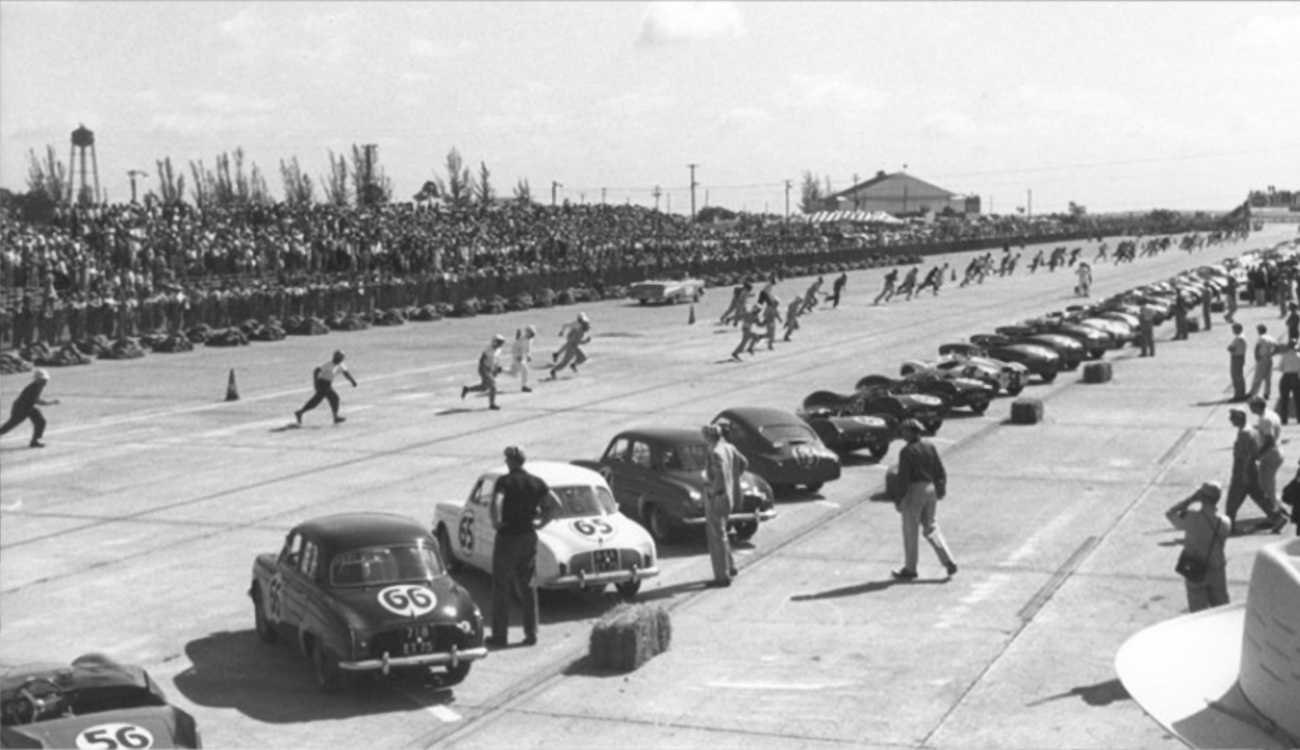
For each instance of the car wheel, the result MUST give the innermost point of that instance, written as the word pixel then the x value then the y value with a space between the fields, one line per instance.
pixel 265 630
pixel 745 530
pixel 814 486
pixel 979 407
pixel 932 426
pixel 1048 377
pixel 659 524
pixel 456 675
pixel 878 451
pixel 448 556
pixel 1016 389
pixel 325 667
pixel 628 589
pixel 643 301
pixel 1096 353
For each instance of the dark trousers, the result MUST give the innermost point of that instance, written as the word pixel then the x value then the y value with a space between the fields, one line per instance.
pixel 1237 367
pixel 1147 338
pixel 17 417
pixel 514 563
pixel 324 392
pixel 1288 394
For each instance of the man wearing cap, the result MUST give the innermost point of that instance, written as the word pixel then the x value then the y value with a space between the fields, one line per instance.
pixel 521 353
pixel 1245 466
pixel 721 494
pixel 323 378
pixel 1269 456
pixel 921 473
pixel 1147 329
pixel 24 408
pixel 1205 532
pixel 488 368
pixel 575 335
pixel 521 503
pixel 1237 362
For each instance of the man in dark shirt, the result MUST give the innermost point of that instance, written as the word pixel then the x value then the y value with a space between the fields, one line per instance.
pixel 24 408
pixel 521 504
pixel 921 473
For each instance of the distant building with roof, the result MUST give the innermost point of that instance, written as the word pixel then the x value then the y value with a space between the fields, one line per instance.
pixel 899 193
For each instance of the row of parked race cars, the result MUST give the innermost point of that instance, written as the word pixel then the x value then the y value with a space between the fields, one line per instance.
pixel 372 592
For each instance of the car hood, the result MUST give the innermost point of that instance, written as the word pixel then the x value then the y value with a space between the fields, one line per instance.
pixel 591 532
pixel 149 726
pixel 389 605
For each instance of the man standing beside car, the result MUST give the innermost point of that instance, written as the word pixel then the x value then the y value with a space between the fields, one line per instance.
pixel 924 481
pixel 521 504
pixel 721 494
pixel 1237 362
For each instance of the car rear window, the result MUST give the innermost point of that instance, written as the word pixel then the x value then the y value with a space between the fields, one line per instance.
pixel 374 566
pixel 787 434
pixel 583 500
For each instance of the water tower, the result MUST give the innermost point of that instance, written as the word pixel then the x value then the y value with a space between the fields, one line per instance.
pixel 82 139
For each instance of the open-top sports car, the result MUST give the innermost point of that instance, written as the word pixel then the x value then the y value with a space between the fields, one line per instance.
pixel 970 361
pixel 956 392
pixel 780 446
pixel 658 476
pixel 95 703
pixel 1071 350
pixel 1039 360
pixel 668 292
pixel 366 592
pixel 845 432
pixel 590 545
pixel 1095 339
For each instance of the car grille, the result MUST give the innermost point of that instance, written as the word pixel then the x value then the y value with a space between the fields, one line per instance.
pixel 605 560
pixel 418 639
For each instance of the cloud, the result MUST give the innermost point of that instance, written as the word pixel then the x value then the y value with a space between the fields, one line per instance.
pixel 1268 33
pixel 430 49
pixel 637 104
pixel 217 112
pixel 684 22
pixel 830 92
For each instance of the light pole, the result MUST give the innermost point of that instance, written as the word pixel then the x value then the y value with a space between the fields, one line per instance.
pixel 133 173
pixel 788 185
pixel 554 185
pixel 657 193
pixel 693 183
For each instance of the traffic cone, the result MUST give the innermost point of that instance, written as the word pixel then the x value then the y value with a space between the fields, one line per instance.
pixel 691 321
pixel 232 391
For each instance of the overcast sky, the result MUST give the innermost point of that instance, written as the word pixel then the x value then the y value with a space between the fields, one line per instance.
pixel 1116 106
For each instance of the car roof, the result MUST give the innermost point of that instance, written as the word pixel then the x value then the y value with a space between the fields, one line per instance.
pixel 674 435
pixel 344 531
pixel 554 473
pixel 760 415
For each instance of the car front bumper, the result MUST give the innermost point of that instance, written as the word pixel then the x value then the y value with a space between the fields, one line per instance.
pixel 583 579
pixel 387 663
pixel 734 519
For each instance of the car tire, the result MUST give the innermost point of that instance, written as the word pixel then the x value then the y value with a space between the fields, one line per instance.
pixel 325 668
pixel 1048 377
pixel 932 426
pixel 628 589
pixel 979 407
pixel 456 675
pixel 659 525
pixel 878 452
pixel 1016 390
pixel 444 546
pixel 814 486
pixel 265 630
pixel 1096 353
pixel 745 530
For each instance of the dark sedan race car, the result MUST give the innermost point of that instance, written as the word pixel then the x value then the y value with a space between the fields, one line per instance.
pixel 366 592
pixel 657 475
pixel 94 703
pixel 781 447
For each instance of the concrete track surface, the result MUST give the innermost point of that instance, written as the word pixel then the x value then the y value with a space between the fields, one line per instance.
pixel 134 532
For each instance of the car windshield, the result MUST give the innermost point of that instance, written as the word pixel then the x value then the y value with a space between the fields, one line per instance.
pixel 375 566
pixel 694 457
pixel 583 500
pixel 787 434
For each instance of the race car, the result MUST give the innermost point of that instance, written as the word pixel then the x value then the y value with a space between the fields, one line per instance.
pixel 1037 359
pixel 94 703
pixel 668 292
pixel 366 592
pixel 970 361
pixel 781 447
pixel 956 392
pixel 658 476
pixel 847 433
pixel 1071 350
pixel 590 545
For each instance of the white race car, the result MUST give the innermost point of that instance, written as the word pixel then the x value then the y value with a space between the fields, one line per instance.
pixel 589 545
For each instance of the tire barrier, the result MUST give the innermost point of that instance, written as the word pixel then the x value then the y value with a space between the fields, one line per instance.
pixel 1026 410
pixel 45 356
pixel 629 636
pixel 227 337
pixel 1097 372
pixel 174 343
pixel 124 348
pixel 11 363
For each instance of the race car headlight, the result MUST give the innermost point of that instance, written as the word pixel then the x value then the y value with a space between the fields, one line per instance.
pixel 695 496
pixel 360 643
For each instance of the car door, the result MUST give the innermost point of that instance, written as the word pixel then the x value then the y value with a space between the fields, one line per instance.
pixel 476 530
pixel 614 468
pixel 306 595
pixel 640 471
pixel 290 589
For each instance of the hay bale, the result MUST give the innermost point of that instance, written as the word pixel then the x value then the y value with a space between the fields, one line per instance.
pixel 1096 372
pixel 629 636
pixel 1025 410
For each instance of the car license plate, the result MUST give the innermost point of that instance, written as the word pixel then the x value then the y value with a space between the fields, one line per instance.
pixel 606 560
pixel 418 639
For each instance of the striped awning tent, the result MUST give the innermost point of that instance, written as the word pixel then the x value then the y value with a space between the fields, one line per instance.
pixel 854 217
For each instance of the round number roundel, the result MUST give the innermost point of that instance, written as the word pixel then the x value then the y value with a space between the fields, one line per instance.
pixel 408 600
pixel 592 527
pixel 465 533
pixel 115 737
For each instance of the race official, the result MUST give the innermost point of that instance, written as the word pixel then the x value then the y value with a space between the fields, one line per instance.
pixel 921 473
pixel 722 493
pixel 521 504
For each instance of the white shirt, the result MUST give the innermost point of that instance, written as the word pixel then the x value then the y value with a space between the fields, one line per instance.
pixel 1269 425
pixel 522 349
pixel 329 370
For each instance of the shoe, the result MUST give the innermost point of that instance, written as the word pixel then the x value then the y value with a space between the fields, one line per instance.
pixel 574 368
pixel 526 389
pixel 903 574
pixel 736 357
pixel 494 642
pixel 734 572
pixel 530 640
pixel 551 376
pixel 340 420
pixel 297 417
pixel 463 390
pixel 37 444
pixel 494 407
pixel 952 568
pixel 719 583
pixel 1276 528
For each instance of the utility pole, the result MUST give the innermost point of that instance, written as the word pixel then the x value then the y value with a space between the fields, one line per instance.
pixel 602 196
pixel 368 184
pixel 133 173
pixel 657 193
pixel 788 185
pixel 856 205
pixel 693 183
pixel 670 203
pixel 1031 202
pixel 554 185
